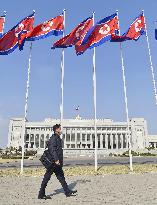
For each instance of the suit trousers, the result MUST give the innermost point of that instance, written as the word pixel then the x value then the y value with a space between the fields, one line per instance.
pixel 57 169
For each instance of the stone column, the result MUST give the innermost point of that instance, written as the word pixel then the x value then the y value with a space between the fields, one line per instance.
pixel 70 137
pixel 44 139
pixel 121 137
pixel 106 141
pixel 111 140
pixel 116 137
pixel 86 139
pixel 29 139
pixel 91 143
pixel 104 136
pixel 32 138
pixel 91 138
pixel 34 146
pixel 101 141
pixel 81 137
pixel 126 140
pixel 75 138
pixel 39 140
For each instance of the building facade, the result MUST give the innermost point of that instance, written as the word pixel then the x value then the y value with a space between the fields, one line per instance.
pixel 78 135
pixel 152 140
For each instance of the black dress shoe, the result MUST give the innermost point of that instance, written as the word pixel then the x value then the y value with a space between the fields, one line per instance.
pixel 71 193
pixel 44 197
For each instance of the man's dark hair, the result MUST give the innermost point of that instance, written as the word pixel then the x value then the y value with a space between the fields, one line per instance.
pixel 56 127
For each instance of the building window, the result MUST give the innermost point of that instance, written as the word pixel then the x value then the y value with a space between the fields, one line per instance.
pixel 63 136
pixel 114 141
pixel 88 137
pixel 83 145
pixel 26 145
pixel 68 137
pixel 78 145
pixel 88 145
pixel 109 141
pixel 42 141
pixel 78 137
pixel 123 128
pixel 32 137
pixel 27 137
pixel 124 141
pixel 83 137
pixel 72 137
pixel 72 145
pixel 68 146
pixel 47 137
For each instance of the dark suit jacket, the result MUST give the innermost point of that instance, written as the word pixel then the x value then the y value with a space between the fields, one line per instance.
pixel 55 148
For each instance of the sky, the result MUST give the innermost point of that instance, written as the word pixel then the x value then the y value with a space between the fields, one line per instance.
pixel 45 91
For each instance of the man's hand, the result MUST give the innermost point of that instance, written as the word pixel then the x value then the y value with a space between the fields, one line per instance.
pixel 57 162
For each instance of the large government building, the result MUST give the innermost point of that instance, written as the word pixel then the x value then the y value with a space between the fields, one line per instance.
pixel 78 135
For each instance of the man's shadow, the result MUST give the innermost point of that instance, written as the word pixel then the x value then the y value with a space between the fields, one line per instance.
pixel 71 186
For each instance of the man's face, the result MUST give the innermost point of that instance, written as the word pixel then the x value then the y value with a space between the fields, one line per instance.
pixel 59 131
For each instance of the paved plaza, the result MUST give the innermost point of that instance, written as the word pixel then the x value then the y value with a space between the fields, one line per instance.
pixel 130 189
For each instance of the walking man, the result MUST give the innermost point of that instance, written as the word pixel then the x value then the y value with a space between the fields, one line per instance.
pixel 56 151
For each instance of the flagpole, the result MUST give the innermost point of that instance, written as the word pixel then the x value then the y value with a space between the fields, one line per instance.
pixel 126 102
pixel 94 102
pixel 151 63
pixel 62 80
pixel 26 108
pixel 4 21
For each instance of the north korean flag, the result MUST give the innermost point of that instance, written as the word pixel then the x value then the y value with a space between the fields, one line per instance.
pixel 2 21
pixel 9 41
pixel 136 29
pixel 99 33
pixel 76 36
pixel 53 26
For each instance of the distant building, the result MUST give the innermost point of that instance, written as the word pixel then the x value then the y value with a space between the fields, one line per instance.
pixel 152 140
pixel 78 135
